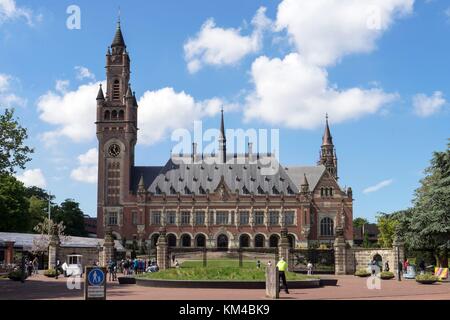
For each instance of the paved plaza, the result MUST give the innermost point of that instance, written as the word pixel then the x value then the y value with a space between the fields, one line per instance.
pixel 349 287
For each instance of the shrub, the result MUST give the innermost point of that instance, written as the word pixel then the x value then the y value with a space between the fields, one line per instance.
pixel 16 275
pixel 362 273
pixel 51 273
pixel 386 275
pixel 426 278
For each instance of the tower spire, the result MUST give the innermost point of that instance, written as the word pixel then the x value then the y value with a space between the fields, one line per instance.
pixel 328 152
pixel 118 37
pixel 222 140
pixel 327 138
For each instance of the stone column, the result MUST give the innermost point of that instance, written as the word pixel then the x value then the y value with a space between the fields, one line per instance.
pixel 284 249
pixel 162 251
pixel 399 253
pixel 340 259
pixel 9 252
pixel 108 248
pixel 53 248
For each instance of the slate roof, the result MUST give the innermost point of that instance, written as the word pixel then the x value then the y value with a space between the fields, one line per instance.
pixel 180 175
pixel 25 240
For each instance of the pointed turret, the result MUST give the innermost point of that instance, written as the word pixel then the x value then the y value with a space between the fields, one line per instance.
pixel 222 141
pixel 100 95
pixel 129 94
pixel 305 184
pixel 328 152
pixel 141 185
pixel 327 139
pixel 118 38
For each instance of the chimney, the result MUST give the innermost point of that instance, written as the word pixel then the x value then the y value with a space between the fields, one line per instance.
pixel 250 151
pixel 194 152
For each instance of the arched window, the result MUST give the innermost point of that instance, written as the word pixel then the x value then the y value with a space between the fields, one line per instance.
pixel 121 115
pixel 171 240
pixel 200 241
pixel 259 241
pixel 321 192
pixel 154 240
pixel 107 115
pixel 273 241
pixel 331 192
pixel 222 242
pixel 185 240
pixel 116 90
pixel 291 240
pixel 114 115
pixel 326 227
pixel 244 241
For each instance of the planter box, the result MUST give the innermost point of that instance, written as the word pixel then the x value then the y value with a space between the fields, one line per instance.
pixel 426 281
pixel 126 280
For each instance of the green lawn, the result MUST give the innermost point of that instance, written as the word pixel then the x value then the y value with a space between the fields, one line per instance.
pixel 217 270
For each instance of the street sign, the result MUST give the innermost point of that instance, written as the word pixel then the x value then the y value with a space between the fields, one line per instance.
pixel 95 283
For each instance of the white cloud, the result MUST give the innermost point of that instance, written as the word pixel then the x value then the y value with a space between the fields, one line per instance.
pixel 165 110
pixel 9 99
pixel 324 31
pixel 296 94
pixel 217 46
pixel 32 177
pixel 378 186
pixel 10 11
pixel 84 73
pixel 425 106
pixel 295 91
pixel 88 167
pixel 62 85
pixel 73 112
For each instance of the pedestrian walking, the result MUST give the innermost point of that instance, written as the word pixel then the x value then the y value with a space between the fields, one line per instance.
pixel 309 267
pixel 282 268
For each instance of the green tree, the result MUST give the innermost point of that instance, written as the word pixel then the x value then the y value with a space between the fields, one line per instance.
pixel 14 214
pixel 70 214
pixel 427 225
pixel 38 210
pixel 13 152
pixel 359 222
pixel 387 225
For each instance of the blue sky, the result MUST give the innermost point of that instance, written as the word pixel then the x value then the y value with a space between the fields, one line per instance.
pixel 381 72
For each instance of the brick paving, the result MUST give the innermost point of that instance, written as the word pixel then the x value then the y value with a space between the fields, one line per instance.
pixel 349 287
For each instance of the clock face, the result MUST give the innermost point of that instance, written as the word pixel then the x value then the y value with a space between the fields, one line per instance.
pixel 114 150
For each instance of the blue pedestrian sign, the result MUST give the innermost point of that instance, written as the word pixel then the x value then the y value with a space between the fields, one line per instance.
pixel 96 277
pixel 95 283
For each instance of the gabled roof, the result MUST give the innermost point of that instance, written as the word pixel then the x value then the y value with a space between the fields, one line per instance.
pixel 312 173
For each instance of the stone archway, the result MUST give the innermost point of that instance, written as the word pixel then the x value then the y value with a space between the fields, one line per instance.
pixel 171 240
pixel 222 241
pixel 274 240
pixel 244 241
pixel 185 240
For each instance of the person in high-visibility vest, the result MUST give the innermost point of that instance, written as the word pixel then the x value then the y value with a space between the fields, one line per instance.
pixel 282 268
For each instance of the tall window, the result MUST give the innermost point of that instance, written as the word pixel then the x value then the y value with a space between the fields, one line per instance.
pixel 135 217
pixel 171 217
pixel 274 218
pixel 199 218
pixel 211 217
pixel 185 217
pixel 244 218
pixel 116 90
pixel 156 217
pixel 326 227
pixel 259 218
pixel 289 218
pixel 112 219
pixel 221 217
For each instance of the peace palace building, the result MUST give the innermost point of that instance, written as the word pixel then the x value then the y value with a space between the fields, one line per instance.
pixel 227 203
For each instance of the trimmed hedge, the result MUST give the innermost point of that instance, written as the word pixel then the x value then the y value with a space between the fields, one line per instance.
pixel 362 273
pixel 387 275
pixel 51 273
pixel 426 278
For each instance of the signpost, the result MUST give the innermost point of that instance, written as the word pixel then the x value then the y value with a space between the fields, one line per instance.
pixel 95 283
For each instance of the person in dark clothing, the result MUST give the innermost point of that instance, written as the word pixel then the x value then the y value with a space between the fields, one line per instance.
pixel 422 266
pixel 386 266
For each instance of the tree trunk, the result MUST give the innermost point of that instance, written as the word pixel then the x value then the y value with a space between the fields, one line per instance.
pixel 443 259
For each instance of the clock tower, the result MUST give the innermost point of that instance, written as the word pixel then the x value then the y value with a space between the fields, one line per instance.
pixel 117 135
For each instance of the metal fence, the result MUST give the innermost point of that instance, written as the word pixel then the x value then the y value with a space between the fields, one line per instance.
pixel 321 259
